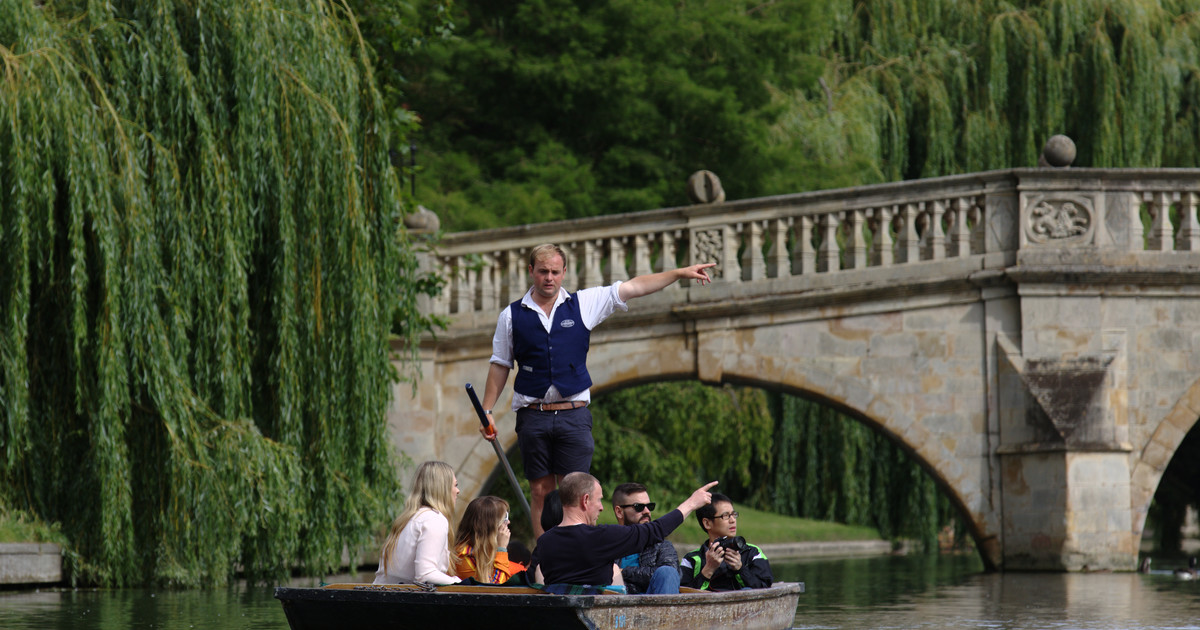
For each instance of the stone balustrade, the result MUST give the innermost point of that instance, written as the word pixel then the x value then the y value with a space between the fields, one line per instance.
pixel 798 238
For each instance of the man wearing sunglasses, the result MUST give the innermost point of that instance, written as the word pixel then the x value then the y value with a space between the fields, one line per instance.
pixel 656 569
pixel 726 562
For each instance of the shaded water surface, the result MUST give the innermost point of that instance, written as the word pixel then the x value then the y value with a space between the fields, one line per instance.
pixel 931 592
pixel 880 592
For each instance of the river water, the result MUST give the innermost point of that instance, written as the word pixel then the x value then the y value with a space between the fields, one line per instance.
pixel 924 592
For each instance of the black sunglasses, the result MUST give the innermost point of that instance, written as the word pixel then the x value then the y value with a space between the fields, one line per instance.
pixel 638 507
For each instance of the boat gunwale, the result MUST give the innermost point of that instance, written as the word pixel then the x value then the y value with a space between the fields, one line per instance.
pixel 526 596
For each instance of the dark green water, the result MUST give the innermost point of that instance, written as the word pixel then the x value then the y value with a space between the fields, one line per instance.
pixel 879 592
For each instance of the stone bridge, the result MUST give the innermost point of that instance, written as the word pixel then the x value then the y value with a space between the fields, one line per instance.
pixel 1027 334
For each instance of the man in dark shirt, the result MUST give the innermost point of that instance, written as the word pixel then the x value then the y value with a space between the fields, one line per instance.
pixel 580 552
pixel 655 570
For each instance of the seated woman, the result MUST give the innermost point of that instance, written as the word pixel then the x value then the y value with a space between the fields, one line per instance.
pixel 418 546
pixel 481 547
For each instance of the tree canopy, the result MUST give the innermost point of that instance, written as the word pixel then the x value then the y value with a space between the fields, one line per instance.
pixel 202 258
pixel 554 109
pixel 557 109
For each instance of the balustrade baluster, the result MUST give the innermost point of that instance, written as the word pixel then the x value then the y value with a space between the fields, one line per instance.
pixel 515 271
pixel 754 267
pixel 933 241
pixel 828 256
pixel 641 255
pixel 777 257
pixel 1161 232
pixel 488 282
pixel 441 303
pixel 1188 238
pixel 881 236
pixel 856 245
pixel 616 261
pixel 803 256
pixel 909 245
pixel 976 214
pixel 666 257
pixel 589 263
pixel 1137 236
pixel 464 290
pixel 729 257
pixel 958 244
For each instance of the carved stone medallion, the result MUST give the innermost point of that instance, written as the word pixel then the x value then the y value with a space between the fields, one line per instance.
pixel 1059 220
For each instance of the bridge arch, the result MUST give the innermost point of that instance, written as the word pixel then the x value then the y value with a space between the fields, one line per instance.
pixel 1151 462
pixel 953 314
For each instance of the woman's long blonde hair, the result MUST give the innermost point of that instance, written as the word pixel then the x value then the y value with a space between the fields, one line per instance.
pixel 480 530
pixel 433 488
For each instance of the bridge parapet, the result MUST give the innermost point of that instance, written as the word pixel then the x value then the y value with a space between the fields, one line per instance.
pixel 792 241
pixel 1027 334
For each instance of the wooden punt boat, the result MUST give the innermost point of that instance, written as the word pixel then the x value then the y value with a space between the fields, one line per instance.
pixel 520 608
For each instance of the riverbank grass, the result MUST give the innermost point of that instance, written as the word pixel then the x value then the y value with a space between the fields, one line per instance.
pixel 17 526
pixel 766 528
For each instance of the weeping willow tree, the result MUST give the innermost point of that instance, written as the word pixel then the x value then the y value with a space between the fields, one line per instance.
pixel 201 263
pixel 828 466
pixel 922 89
pixel 770 451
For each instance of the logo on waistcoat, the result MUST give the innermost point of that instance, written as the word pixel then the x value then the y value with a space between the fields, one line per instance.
pixel 567 323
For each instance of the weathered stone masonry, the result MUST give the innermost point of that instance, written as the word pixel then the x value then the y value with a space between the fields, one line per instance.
pixel 1023 332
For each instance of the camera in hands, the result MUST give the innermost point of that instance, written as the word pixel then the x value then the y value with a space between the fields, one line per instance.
pixel 737 543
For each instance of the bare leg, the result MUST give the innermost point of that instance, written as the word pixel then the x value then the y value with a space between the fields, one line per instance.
pixel 539 488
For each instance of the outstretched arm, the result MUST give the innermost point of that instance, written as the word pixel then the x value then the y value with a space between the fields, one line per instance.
pixel 654 282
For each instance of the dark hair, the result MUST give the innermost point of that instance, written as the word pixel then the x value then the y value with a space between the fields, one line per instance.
pixel 518 552
pixel 710 511
pixel 551 511
pixel 624 490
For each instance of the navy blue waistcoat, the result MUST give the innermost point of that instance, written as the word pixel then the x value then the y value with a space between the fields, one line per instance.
pixel 556 358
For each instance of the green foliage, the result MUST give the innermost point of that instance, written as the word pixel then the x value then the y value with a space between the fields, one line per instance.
pixel 201 266
pixel 979 85
pixel 760 527
pixel 673 437
pixel 832 467
pixel 559 109
pixel 17 526
pixel 772 452
pixel 556 109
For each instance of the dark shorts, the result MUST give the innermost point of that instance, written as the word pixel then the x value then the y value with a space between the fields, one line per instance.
pixel 555 442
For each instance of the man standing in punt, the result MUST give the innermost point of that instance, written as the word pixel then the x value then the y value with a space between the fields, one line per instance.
pixel 546 334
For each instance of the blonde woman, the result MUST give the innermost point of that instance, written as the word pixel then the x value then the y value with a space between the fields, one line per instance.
pixel 481 547
pixel 418 545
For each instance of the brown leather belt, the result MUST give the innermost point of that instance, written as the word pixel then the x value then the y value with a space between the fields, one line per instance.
pixel 558 406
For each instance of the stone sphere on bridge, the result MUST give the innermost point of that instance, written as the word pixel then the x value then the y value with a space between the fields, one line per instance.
pixel 1058 152
pixel 705 187
pixel 423 221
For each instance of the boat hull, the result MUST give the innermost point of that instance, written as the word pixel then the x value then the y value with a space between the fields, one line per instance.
pixel 497 608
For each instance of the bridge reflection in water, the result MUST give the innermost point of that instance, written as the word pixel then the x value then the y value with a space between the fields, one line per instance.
pixel 1026 334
